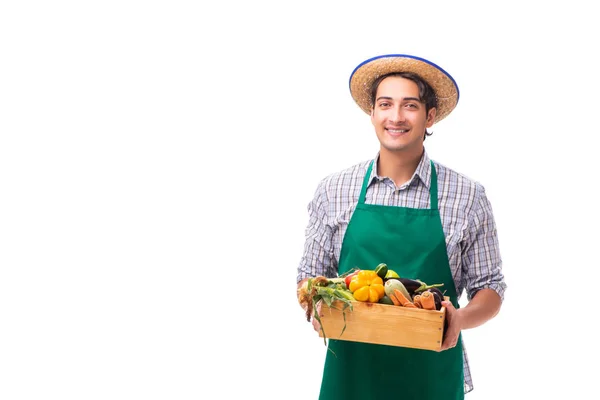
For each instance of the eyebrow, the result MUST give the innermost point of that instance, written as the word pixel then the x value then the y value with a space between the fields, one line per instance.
pixel 403 99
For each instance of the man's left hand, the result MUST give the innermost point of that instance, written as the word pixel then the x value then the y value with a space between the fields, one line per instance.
pixel 454 326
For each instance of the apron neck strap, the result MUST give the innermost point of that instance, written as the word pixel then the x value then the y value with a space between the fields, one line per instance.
pixel 433 192
pixel 363 191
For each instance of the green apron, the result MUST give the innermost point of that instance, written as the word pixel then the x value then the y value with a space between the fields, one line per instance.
pixel 411 242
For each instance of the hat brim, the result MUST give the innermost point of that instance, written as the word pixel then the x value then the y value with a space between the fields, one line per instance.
pixel 367 72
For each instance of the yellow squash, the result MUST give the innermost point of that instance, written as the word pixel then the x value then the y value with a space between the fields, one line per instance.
pixel 367 286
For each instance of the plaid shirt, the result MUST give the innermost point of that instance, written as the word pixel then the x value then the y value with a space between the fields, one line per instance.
pixel 466 214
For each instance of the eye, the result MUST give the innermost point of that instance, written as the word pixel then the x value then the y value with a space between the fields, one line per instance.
pixel 411 105
pixel 384 104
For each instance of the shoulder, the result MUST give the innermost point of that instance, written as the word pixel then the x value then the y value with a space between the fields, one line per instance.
pixel 449 175
pixel 457 186
pixel 346 178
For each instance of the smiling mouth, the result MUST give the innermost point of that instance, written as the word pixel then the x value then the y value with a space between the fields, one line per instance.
pixel 396 131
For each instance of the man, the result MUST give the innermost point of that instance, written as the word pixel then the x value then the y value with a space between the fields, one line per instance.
pixel 403 209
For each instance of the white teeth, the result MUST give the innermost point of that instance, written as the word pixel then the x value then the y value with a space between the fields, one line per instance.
pixel 398 130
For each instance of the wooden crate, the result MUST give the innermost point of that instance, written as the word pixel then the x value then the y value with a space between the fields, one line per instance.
pixel 385 324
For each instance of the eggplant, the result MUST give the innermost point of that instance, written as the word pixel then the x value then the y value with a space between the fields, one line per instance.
pixel 415 286
pixel 437 299
pixel 411 284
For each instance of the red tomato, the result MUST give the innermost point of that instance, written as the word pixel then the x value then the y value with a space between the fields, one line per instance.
pixel 349 278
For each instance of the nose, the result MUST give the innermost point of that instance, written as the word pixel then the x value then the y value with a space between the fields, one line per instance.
pixel 397 115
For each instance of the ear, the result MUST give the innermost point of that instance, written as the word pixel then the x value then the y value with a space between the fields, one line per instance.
pixel 431 117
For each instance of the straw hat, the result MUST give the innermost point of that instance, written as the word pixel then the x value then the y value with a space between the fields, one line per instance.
pixel 367 72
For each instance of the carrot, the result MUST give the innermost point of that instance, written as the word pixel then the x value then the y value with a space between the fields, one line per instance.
pixel 427 300
pixel 417 301
pixel 394 299
pixel 404 302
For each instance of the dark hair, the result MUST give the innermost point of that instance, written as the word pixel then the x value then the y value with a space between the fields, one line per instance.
pixel 426 92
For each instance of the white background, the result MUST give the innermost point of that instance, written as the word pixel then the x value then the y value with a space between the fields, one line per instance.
pixel 157 158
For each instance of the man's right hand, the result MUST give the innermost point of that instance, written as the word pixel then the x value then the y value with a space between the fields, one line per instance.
pixel 315 323
pixel 304 300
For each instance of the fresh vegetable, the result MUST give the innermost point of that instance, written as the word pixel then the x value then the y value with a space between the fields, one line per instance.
pixel 438 296
pixel 396 302
pixel 438 300
pixel 367 286
pixel 417 301
pixel 349 277
pixel 436 291
pixel 386 300
pixel 391 274
pixel 427 300
pixel 381 270
pixel 327 290
pixel 395 284
pixel 425 286
pixel 411 285
pixel 414 286
pixel 402 300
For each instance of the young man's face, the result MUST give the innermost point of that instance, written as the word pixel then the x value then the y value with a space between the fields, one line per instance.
pixel 399 117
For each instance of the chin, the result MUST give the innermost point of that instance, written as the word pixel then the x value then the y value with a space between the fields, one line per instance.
pixel 394 147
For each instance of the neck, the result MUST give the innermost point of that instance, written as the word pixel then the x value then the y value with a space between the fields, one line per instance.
pixel 397 166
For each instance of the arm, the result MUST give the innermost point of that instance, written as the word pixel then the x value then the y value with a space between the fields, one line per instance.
pixel 482 273
pixel 318 258
pixel 483 307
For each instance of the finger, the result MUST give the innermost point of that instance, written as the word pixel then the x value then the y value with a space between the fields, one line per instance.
pixel 449 306
pixel 447 345
pixel 449 342
pixel 315 322
pixel 316 325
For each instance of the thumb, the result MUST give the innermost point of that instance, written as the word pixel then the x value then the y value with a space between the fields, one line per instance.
pixel 448 304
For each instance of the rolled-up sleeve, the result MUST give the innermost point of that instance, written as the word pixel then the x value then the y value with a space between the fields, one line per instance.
pixel 318 258
pixel 482 263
